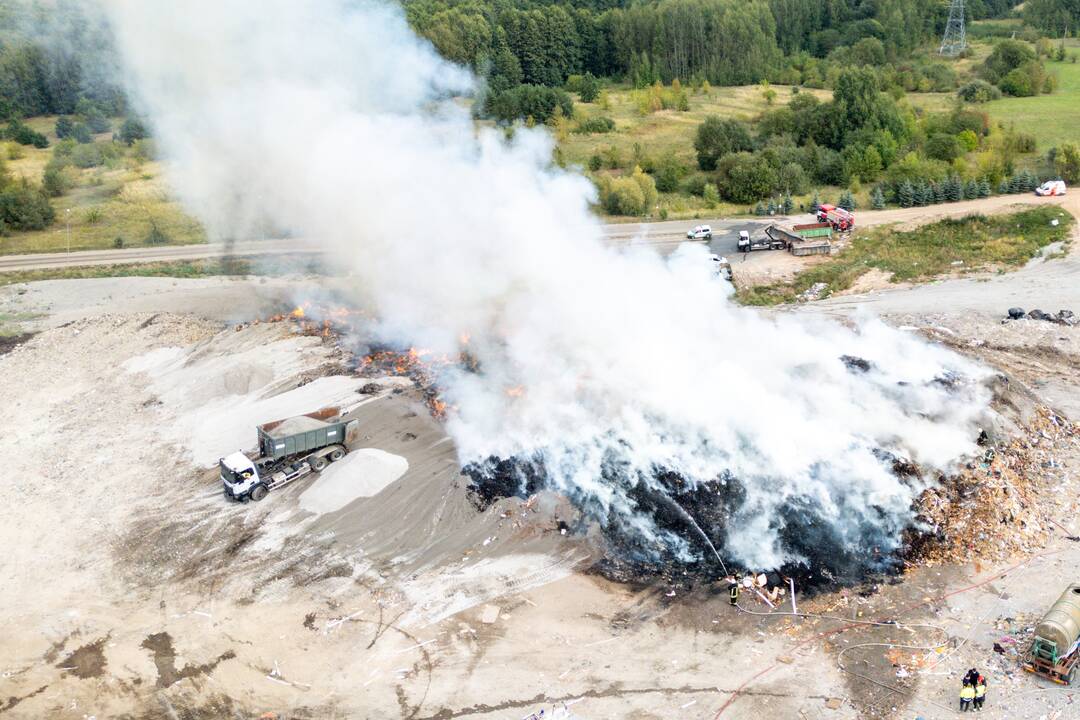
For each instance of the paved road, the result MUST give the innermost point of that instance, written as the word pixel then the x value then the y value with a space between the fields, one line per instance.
pixel 664 236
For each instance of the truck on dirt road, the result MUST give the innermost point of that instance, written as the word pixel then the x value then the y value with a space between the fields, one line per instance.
pixel 288 450
pixel 840 219
pixel 747 243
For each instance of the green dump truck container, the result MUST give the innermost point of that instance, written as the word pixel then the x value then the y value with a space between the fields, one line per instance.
pixel 300 434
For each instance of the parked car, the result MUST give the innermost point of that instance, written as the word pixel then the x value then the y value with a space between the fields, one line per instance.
pixel 1051 188
pixel 701 232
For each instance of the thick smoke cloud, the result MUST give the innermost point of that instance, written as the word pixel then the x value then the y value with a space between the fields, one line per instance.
pixel 333 121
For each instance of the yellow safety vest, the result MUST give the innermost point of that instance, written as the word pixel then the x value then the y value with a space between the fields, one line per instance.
pixel 967 692
pixel 980 690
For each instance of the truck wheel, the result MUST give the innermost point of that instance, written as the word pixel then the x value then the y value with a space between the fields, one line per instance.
pixel 337 454
pixel 318 464
pixel 258 492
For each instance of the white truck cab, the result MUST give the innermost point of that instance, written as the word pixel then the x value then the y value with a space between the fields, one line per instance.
pixel 238 474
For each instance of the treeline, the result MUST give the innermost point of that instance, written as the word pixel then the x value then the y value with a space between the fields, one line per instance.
pixel 52 56
pixel 723 42
pixel 1056 18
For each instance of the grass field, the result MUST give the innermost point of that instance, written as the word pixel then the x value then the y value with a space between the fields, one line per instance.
pixel 669 132
pixel 125 198
pixel 1052 119
pixel 976 243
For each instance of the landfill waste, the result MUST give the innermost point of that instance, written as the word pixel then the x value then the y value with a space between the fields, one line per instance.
pixel 814 292
pixel 1063 317
pixel 992 509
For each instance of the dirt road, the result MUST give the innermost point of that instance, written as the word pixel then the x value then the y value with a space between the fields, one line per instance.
pixel 665 236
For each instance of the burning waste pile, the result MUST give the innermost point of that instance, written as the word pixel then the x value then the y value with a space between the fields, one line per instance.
pixel 627 382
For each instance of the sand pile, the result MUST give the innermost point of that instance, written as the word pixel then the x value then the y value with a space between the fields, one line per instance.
pixel 360 474
pixel 214 393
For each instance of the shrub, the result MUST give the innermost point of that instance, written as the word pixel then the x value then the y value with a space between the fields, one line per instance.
pixel 744 177
pixel 695 185
pixel 87 156
pixel 717 137
pixel 81 134
pixel 54 181
pixel 792 178
pixel 64 127
pixel 905 194
pixel 877 198
pixel 847 200
pixel 1006 56
pixel 589 88
pixel 668 174
pixel 23 207
pixel 595 162
pixel 133 129
pixel 22 134
pixel 599 124
pixel 978 91
pixel 711 195
pixel 156 236
pixel 943 147
pixel 968 140
pixel 1067 163
pixel 1027 80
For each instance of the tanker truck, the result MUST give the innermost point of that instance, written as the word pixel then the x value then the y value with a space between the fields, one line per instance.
pixel 1054 651
pixel 289 449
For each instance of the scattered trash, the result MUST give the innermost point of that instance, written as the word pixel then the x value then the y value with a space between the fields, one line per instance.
pixel 1063 317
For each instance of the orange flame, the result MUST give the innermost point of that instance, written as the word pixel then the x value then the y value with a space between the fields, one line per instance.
pixel 516 391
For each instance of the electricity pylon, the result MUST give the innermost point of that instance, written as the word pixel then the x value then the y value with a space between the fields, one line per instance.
pixel 955 39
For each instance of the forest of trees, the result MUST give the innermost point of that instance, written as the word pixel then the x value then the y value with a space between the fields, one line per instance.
pixel 725 42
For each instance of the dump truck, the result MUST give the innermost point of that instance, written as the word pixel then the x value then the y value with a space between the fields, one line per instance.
pixel 747 243
pixel 288 450
pixel 1055 651
pixel 840 219
pixel 801 239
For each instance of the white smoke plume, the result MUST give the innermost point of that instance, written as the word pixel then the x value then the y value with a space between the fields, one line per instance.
pixel 336 122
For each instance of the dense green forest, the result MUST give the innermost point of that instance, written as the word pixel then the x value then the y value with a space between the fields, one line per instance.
pixel 831 81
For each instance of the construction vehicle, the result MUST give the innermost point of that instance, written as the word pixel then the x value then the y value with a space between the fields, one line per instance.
pixel 840 219
pixel 289 449
pixel 1055 650
pixel 747 243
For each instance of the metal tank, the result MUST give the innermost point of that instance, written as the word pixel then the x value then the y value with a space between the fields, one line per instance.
pixel 1061 625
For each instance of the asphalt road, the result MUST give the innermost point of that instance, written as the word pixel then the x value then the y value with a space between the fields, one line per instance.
pixel 664 236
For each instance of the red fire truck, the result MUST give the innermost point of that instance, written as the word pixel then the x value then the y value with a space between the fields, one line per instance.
pixel 840 219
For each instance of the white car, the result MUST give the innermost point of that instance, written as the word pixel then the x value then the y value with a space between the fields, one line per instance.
pixel 1051 188
pixel 701 232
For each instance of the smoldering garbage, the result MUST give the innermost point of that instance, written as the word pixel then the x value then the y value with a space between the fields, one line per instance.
pixel 688 516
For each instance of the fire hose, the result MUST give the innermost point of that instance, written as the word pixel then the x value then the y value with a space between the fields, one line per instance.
pixel 850 623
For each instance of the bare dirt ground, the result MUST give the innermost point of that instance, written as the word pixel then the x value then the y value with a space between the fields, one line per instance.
pixel 130 588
